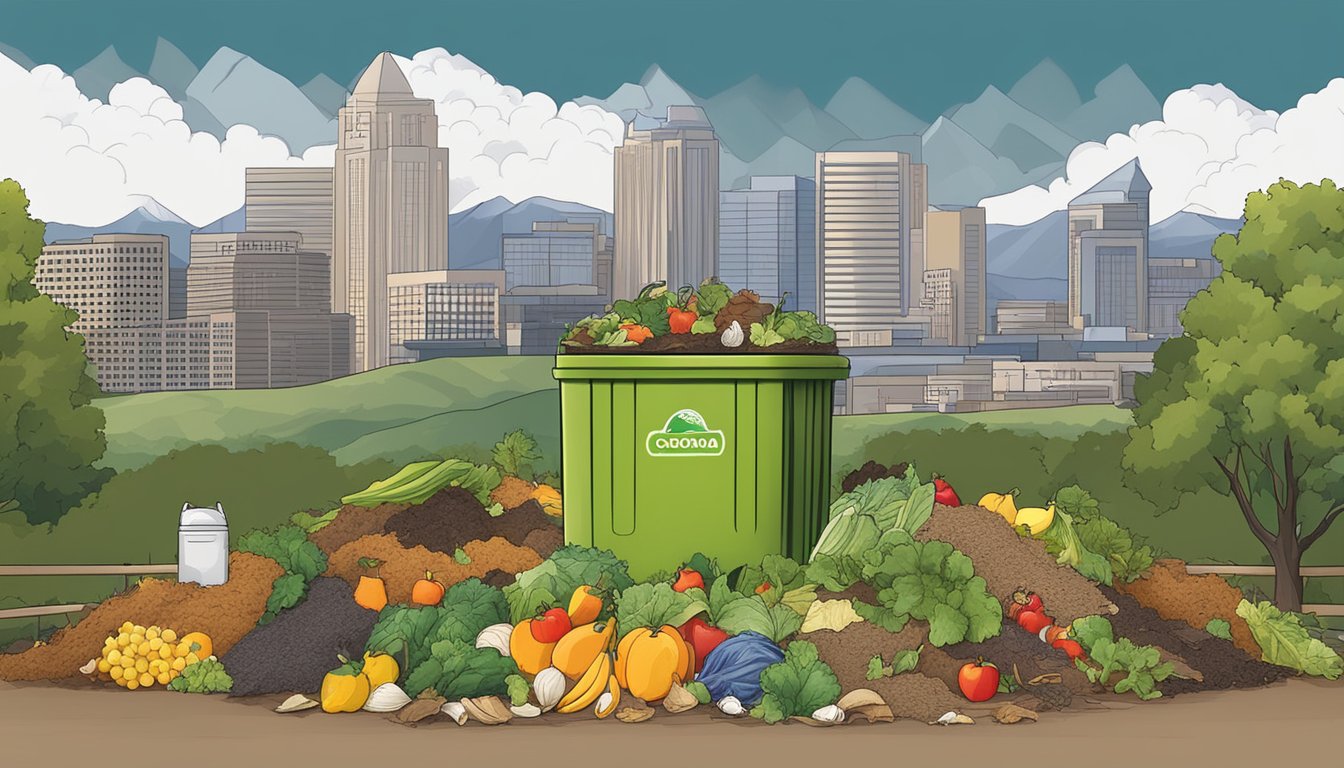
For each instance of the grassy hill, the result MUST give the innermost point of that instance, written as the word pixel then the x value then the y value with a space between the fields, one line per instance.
pixel 373 414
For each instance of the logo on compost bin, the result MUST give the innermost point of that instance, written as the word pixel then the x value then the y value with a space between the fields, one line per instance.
pixel 685 434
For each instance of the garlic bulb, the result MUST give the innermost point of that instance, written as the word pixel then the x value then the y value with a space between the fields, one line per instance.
pixel 732 335
pixel 730 705
pixel 829 714
pixel 386 698
pixel 495 636
pixel 91 668
pixel 456 711
pixel 549 686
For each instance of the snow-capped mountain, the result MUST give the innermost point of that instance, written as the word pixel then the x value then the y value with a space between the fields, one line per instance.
pixel 150 218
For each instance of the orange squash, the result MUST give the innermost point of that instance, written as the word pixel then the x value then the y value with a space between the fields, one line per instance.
pixel 584 605
pixel 687 673
pixel 427 591
pixel 530 655
pixel 580 646
pixel 650 660
pixel 371 593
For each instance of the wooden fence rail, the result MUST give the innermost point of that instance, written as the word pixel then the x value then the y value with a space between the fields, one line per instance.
pixel 38 611
pixel 1320 609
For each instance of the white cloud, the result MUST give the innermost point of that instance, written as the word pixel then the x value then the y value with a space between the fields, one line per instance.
pixel 503 142
pixel 1210 149
pixel 89 163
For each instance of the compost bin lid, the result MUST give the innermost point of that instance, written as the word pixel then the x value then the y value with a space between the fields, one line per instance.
pixel 201 517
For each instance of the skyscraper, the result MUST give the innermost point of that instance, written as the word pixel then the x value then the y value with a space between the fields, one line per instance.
pixel 110 280
pixel 955 241
pixel 767 239
pixel 870 208
pixel 667 202
pixel 1108 251
pixel 287 199
pixel 391 191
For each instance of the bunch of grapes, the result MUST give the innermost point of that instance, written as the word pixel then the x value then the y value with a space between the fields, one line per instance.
pixel 139 657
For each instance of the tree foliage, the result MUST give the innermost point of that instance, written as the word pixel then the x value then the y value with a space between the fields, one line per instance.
pixel 1252 397
pixel 50 435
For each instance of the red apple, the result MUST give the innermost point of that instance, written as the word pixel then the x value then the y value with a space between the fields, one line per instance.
pixel 979 680
pixel 550 626
pixel 702 637
pixel 688 578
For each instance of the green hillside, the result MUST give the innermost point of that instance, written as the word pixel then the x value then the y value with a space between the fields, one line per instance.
pixel 333 415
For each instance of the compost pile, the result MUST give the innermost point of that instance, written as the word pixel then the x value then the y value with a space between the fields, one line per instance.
pixel 453 599
pixel 710 320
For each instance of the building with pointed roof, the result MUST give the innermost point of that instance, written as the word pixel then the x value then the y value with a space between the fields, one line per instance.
pixel 391 201
pixel 1108 252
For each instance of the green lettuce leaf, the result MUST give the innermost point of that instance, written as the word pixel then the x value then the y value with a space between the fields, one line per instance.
pixel 797 686
pixel 653 605
pixel 1285 642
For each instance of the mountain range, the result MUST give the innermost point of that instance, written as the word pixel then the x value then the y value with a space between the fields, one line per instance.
pixel 996 143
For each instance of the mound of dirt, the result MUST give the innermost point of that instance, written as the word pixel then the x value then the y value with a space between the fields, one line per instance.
pixel 299 647
pixel 1175 594
pixel 913 695
pixel 444 522
pixel 403 565
pixel 226 613
pixel 871 471
pixel 1221 663
pixel 1008 561
pixel 1013 645
pixel 351 523
pixel 512 492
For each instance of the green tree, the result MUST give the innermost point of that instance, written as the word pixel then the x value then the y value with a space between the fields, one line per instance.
pixel 50 435
pixel 1253 395
pixel 515 452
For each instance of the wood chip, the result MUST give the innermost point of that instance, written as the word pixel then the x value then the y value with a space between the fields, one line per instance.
pixel 633 714
pixel 418 710
pixel 1011 713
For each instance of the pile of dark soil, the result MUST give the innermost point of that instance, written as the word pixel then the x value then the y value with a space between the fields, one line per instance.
pixel 402 566
pixel 352 523
pixel 1008 561
pixel 705 344
pixel 294 651
pixel 453 517
pixel 871 471
pixel 1175 594
pixel 498 578
pixel 445 522
pixel 1013 645
pixel 911 694
pixel 1222 664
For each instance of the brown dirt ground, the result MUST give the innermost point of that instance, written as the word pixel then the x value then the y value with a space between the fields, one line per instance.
pixel 403 566
pixel 512 492
pixel 1013 645
pixel 351 523
pixel 1008 561
pixel 226 613
pixel 1175 594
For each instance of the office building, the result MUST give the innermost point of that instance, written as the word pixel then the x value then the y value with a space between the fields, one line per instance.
pixel 767 239
pixel 291 199
pixel 940 303
pixel 239 271
pixel 666 201
pixel 536 318
pixel 1171 285
pixel 955 244
pixel 443 310
pixel 221 350
pixel 869 205
pixel 391 201
pixel 109 280
pixel 1108 251
pixel 1032 318
pixel 554 253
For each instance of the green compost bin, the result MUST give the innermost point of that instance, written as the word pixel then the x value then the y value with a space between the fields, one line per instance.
pixel 664 456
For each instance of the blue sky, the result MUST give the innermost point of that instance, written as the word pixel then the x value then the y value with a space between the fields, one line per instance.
pixel 924 54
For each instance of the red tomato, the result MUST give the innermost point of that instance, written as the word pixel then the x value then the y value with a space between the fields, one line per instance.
pixel 550 626
pixel 688 578
pixel 1033 621
pixel 978 680
pixel 702 637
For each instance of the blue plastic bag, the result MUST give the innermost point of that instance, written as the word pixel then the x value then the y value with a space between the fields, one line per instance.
pixel 734 668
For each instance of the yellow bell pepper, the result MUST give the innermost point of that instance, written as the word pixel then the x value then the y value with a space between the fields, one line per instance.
pixel 1003 504
pixel 344 689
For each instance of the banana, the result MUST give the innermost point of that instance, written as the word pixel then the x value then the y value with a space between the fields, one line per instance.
pixel 613 695
pixel 590 686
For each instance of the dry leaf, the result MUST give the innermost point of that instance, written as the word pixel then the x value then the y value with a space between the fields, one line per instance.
pixel 419 709
pixel 867 704
pixel 1011 713
pixel 679 700
pixel 633 715
pixel 296 703
pixel 834 615
pixel 488 710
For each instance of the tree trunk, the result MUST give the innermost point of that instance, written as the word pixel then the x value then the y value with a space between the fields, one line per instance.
pixel 1287 558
